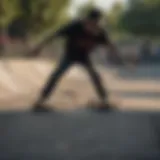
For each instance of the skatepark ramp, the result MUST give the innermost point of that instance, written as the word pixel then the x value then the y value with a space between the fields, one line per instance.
pixel 21 80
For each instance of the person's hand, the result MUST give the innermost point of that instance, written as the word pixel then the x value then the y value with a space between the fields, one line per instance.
pixel 121 62
pixel 119 59
pixel 131 66
pixel 116 59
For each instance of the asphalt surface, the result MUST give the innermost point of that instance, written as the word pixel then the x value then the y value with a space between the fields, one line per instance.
pixel 80 135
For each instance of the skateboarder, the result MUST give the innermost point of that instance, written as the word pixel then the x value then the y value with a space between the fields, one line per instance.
pixel 82 37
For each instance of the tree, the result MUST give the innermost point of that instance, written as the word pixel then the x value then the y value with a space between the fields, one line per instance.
pixel 8 10
pixel 142 18
pixel 113 17
pixel 34 16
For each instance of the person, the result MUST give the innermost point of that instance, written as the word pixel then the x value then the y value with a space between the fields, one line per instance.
pixel 82 37
pixel 146 51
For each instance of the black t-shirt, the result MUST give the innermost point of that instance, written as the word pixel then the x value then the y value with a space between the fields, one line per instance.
pixel 80 42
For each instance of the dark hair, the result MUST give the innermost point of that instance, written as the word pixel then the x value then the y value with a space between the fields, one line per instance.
pixel 94 14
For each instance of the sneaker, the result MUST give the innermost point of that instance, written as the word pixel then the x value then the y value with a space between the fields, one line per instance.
pixel 105 107
pixel 101 106
pixel 40 108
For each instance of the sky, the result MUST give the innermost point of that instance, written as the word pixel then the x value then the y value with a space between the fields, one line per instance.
pixel 104 4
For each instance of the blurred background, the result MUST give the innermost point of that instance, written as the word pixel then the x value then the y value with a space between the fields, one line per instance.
pixel 132 24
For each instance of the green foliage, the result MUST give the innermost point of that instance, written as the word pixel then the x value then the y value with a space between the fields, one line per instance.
pixel 37 15
pixel 142 18
pixel 113 17
pixel 8 10
pixel 48 13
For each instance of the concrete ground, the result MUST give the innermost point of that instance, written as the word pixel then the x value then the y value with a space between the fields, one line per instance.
pixel 22 80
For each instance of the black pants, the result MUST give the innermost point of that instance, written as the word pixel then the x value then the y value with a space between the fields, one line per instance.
pixel 65 63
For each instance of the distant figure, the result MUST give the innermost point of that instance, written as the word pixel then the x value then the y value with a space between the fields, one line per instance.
pixel 157 52
pixel 146 50
pixel 82 37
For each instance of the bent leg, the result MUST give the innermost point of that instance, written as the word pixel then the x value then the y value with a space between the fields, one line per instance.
pixel 96 80
pixel 53 79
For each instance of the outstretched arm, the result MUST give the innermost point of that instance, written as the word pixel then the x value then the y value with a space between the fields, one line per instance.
pixel 114 53
pixel 64 31
pixel 36 51
pixel 117 58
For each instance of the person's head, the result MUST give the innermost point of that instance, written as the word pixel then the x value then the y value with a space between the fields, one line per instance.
pixel 93 18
